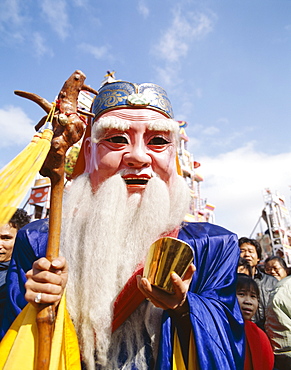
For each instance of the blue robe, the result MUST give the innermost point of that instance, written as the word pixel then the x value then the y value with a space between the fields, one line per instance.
pixel 215 316
pixel 214 311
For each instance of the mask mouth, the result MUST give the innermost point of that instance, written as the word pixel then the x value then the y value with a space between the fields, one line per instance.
pixel 136 181
pixel 131 179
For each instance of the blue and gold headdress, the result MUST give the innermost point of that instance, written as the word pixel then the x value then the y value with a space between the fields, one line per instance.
pixel 122 94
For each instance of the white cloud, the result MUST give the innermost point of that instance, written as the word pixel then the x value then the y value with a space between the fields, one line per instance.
pixel 12 21
pixel 98 52
pixel 16 127
pixel 211 130
pixel 220 137
pixel 198 92
pixel 175 43
pixel 11 11
pixel 169 75
pixel 55 13
pixel 143 9
pixel 185 28
pixel 234 182
pixel 223 120
pixel 81 3
pixel 40 46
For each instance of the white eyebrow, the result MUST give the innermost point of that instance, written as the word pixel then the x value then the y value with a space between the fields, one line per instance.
pixel 105 123
pixel 164 124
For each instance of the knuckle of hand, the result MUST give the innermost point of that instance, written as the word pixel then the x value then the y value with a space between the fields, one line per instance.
pixel 45 275
pixel 27 285
pixel 28 296
pixel 53 289
pixel 39 262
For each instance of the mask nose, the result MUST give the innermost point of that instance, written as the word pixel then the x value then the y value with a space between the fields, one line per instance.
pixel 137 157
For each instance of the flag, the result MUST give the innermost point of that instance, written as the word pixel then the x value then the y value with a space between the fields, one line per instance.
pixel 209 206
pixel 39 194
pixel 85 100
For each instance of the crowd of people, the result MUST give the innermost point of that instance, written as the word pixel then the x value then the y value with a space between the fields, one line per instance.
pixel 273 313
pixel 226 312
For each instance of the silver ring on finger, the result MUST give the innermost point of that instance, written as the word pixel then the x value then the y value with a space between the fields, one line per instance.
pixel 37 298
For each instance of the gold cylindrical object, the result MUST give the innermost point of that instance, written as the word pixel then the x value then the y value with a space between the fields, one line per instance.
pixel 165 256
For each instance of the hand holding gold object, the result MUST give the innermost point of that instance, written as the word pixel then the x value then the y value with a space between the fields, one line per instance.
pixel 167 255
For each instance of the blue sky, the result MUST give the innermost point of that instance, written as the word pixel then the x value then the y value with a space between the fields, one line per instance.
pixel 226 65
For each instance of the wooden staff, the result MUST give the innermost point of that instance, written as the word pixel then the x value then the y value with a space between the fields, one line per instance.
pixel 68 127
pixel 46 315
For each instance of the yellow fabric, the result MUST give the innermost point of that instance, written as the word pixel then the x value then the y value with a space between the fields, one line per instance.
pixel 178 361
pixel 179 169
pixel 16 177
pixel 18 347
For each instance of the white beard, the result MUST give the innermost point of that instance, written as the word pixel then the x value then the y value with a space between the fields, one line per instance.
pixel 104 237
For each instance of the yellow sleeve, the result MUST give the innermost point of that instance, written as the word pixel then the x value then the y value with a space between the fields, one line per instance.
pixel 18 347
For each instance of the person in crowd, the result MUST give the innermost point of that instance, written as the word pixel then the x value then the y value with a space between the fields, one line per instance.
pixel 251 250
pixel 129 195
pixel 276 267
pixel 278 323
pixel 7 238
pixel 258 354
pixel 244 267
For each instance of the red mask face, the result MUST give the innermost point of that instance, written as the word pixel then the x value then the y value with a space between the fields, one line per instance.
pixel 137 152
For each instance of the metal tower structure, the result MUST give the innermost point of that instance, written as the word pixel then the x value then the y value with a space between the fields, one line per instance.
pixel 278 219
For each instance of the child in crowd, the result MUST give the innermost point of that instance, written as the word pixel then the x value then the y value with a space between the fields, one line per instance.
pixel 258 354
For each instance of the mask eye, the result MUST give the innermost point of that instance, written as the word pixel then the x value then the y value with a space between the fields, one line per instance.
pixel 117 140
pixel 158 140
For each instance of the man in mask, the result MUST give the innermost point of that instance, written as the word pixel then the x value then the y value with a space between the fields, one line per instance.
pixel 129 195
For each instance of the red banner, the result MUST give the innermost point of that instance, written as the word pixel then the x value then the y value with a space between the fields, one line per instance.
pixel 39 195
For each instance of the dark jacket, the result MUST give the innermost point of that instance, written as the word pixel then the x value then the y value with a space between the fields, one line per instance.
pixel 266 284
pixel 3 272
